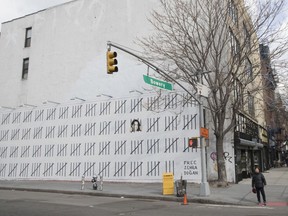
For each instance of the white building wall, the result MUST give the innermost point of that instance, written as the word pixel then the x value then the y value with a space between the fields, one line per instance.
pixel 66 141
pixel 68 51
pixel 67 60
pixel 229 157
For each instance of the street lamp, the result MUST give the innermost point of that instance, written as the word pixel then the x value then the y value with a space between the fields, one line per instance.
pixel 27 105
pixel 48 101
pixel 77 98
pixel 5 107
pixel 135 91
pixel 105 95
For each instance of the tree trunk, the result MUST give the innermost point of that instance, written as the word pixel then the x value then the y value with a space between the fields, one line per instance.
pixel 222 176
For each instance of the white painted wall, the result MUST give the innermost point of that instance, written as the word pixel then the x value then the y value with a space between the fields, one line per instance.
pixel 65 141
pixel 68 51
pixel 228 157
pixel 67 60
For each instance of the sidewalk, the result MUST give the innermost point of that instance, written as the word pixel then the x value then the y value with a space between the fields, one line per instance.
pixel 235 194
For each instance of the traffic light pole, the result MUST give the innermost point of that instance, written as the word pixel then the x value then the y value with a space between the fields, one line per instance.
pixel 204 186
pixel 155 68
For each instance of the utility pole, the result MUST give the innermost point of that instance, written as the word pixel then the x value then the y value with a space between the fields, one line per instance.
pixel 204 186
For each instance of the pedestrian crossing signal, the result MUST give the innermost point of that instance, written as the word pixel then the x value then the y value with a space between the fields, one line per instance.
pixel 193 142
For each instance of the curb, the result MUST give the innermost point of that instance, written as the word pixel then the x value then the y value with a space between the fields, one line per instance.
pixel 144 197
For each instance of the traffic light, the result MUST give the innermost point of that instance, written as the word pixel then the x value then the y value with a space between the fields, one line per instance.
pixel 111 62
pixel 193 142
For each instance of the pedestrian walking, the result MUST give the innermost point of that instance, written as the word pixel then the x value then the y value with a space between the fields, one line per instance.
pixel 258 182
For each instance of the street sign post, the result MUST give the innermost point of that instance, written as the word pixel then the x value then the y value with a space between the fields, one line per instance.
pixel 202 90
pixel 158 83
pixel 204 132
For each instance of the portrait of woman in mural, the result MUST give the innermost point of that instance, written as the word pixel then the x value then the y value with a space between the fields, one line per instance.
pixel 135 125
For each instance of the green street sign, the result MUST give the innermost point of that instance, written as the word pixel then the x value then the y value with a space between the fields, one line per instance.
pixel 158 83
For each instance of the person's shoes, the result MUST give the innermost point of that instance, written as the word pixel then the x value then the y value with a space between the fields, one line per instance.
pixel 259 203
pixel 264 204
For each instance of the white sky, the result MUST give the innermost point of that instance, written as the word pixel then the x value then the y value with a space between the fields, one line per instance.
pixel 11 9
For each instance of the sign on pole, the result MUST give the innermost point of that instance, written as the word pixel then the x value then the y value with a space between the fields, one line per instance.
pixel 202 90
pixel 204 132
pixel 158 83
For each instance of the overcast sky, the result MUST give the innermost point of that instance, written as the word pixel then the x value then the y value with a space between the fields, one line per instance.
pixel 11 9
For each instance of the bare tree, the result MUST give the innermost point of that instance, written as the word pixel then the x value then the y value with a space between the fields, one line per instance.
pixel 215 42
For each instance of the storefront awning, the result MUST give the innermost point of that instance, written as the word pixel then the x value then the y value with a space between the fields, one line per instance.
pixel 249 143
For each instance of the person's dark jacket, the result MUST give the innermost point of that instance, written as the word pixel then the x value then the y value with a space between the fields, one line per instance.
pixel 258 180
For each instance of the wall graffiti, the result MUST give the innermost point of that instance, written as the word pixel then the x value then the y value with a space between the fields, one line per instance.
pixel 226 156
pixel 213 156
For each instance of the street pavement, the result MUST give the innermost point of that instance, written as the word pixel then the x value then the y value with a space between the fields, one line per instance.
pixel 234 194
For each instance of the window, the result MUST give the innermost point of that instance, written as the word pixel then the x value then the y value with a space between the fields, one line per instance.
pixel 28 37
pixel 238 92
pixel 235 45
pixel 233 11
pixel 25 68
pixel 251 109
pixel 248 68
pixel 247 37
